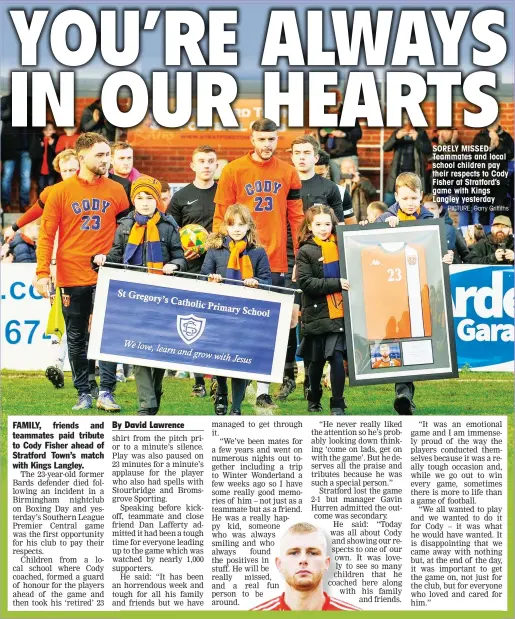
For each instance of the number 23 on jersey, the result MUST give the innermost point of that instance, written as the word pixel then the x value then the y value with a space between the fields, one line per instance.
pixel 394 275
pixel 265 203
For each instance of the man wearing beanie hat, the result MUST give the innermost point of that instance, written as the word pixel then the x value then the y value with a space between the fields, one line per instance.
pixel 497 247
pixel 147 237
pixel 83 209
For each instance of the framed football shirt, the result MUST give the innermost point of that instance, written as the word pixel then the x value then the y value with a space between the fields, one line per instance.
pixel 398 311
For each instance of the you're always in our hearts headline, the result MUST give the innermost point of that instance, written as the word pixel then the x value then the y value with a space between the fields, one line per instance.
pixel 362 39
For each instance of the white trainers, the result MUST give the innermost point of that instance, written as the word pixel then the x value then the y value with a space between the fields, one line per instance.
pixel 106 402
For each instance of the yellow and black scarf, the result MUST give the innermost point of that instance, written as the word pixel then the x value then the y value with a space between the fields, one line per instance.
pixel 405 217
pixel 239 265
pixel 134 251
pixel 331 269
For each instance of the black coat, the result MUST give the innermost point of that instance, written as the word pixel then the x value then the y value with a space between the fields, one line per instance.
pixel 422 149
pixel 22 251
pixel 126 184
pixel 483 252
pixel 36 153
pixel 103 126
pixel 170 241
pixel 218 254
pixel 315 287
pixel 343 147
pixel 462 253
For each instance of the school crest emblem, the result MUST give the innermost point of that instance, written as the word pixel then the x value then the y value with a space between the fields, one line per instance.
pixel 190 328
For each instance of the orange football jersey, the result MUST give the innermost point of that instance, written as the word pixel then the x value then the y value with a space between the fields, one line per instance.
pixel 395 291
pixel 271 191
pixel 329 603
pixel 85 216
pixel 391 363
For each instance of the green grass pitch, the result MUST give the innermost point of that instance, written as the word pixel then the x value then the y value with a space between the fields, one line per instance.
pixel 474 393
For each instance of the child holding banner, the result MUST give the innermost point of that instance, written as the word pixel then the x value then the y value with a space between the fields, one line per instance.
pixel 318 276
pixel 147 237
pixel 234 253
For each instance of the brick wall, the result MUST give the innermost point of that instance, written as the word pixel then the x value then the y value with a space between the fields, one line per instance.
pixel 173 163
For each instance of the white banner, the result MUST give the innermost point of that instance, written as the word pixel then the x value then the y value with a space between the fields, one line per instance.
pixel 185 324
pixel 482 299
pixel 24 318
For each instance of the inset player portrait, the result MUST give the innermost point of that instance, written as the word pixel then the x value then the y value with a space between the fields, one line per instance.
pixel 303 560
pixel 386 355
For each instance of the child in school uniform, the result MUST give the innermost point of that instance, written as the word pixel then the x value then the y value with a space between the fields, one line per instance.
pixel 234 253
pixel 147 237
pixel 318 276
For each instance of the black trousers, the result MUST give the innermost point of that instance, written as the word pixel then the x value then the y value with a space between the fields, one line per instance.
pixel 77 304
pixel 238 386
pixel 278 279
pixel 406 389
pixel 315 373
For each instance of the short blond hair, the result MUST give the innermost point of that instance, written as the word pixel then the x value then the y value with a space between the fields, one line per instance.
pixel 64 155
pixel 378 207
pixel 303 527
pixel 410 180
pixel 203 148
pixel 119 146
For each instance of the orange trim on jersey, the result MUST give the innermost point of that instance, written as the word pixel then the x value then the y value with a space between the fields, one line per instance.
pixel 279 603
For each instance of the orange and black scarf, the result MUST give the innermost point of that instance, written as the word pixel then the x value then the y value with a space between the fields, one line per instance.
pixel 331 269
pixel 134 249
pixel 239 266
pixel 405 217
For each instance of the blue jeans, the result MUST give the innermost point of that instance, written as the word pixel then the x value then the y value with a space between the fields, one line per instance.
pixel 7 178
pixel 45 180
